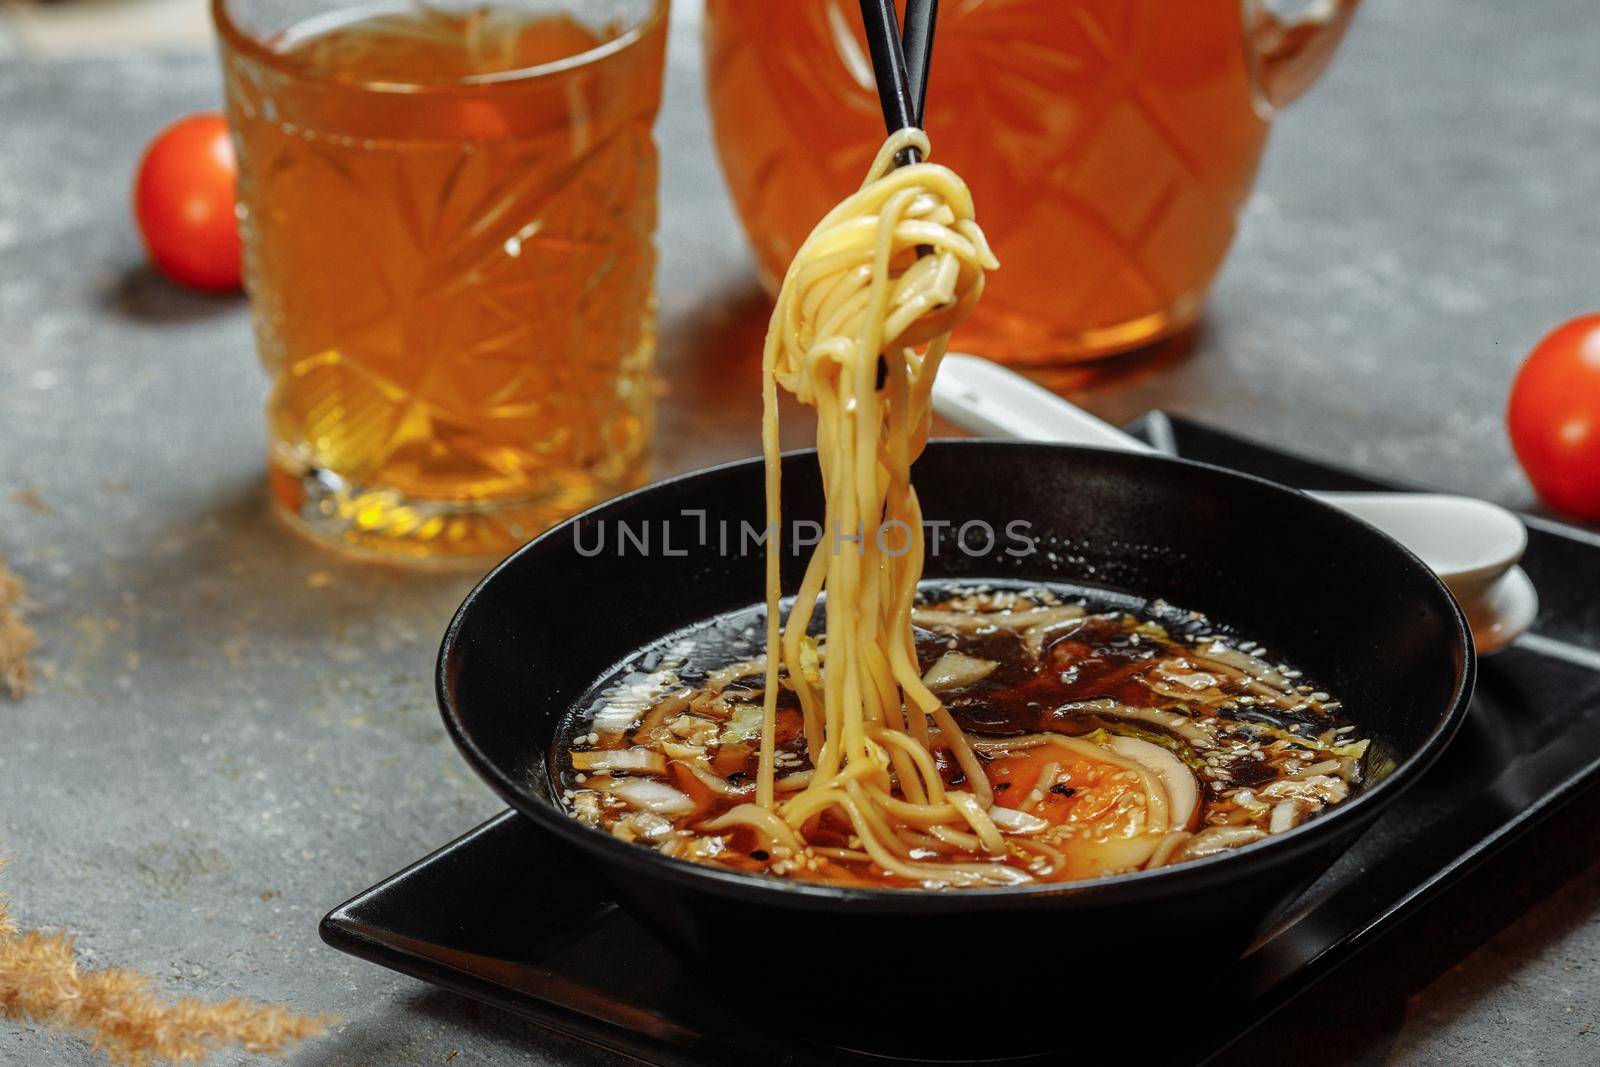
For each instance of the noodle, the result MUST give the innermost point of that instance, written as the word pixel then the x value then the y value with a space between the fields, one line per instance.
pixel 852 769
pixel 860 326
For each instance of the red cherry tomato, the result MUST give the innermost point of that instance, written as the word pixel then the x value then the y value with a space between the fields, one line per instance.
pixel 1554 418
pixel 183 200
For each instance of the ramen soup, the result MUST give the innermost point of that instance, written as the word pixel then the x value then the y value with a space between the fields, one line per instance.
pixel 1114 736
pixel 967 738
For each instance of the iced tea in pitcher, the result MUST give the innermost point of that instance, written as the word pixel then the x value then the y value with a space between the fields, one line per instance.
pixel 1109 143
pixel 448 213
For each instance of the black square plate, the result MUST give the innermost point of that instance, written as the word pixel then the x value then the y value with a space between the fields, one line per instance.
pixel 508 915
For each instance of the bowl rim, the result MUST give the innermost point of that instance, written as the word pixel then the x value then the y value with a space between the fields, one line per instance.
pixel 765 889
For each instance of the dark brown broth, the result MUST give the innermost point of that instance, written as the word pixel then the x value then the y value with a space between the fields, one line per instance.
pixel 1108 655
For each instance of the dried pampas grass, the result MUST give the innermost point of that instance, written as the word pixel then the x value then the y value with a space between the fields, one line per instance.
pixel 119 1013
pixel 16 639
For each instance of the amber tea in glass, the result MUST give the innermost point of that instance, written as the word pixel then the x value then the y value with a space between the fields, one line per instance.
pixel 448 213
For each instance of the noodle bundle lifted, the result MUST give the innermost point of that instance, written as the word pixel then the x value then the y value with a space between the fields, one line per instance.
pixel 893 268
pixel 935 736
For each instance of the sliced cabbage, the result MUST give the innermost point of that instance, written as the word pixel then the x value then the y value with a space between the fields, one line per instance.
pixel 744 724
pixel 625 706
pixel 1284 817
pixel 647 794
pixel 1346 750
pixel 810 660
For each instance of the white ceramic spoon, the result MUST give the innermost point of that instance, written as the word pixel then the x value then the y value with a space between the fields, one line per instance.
pixel 1472 545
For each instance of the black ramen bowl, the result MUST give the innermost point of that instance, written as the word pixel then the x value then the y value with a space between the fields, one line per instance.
pixel 943 974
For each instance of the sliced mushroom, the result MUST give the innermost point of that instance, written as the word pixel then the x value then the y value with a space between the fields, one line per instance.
pixel 1253 666
pixel 624 760
pixel 1180 724
pixel 1012 821
pixel 972 621
pixel 1215 839
pixel 1035 636
pixel 956 669
pixel 716 783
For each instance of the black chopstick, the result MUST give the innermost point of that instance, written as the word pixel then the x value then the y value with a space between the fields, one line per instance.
pixel 902 104
pixel 916 40
pixel 900 66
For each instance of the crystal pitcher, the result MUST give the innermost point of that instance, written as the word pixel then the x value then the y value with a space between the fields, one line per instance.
pixel 1110 144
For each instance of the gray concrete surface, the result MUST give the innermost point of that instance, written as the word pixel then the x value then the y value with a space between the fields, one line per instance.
pixel 234 731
